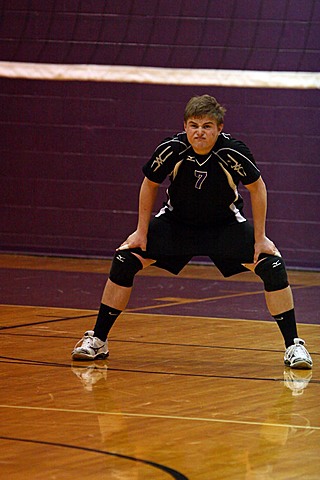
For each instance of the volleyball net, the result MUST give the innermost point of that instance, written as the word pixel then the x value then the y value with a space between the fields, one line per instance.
pixel 243 45
pixel 160 76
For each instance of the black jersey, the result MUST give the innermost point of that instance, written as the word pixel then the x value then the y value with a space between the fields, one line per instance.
pixel 203 188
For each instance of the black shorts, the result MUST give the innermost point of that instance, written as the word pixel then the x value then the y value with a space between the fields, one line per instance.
pixel 173 245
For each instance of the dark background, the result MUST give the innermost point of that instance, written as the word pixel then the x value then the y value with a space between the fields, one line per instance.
pixel 71 152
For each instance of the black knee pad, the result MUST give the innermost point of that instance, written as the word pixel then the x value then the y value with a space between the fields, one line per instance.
pixel 124 267
pixel 272 270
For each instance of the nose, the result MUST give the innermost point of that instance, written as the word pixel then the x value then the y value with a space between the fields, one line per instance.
pixel 200 131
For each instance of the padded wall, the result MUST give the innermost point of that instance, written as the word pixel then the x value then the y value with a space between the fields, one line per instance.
pixel 71 152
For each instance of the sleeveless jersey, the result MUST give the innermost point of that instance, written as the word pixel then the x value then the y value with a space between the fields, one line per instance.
pixel 203 189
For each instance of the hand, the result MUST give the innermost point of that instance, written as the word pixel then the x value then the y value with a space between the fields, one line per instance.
pixel 265 245
pixel 135 240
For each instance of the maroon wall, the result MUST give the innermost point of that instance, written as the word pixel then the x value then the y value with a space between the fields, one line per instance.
pixel 71 152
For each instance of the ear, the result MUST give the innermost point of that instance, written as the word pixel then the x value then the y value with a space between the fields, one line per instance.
pixel 220 127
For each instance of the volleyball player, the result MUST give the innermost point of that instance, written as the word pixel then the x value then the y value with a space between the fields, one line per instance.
pixel 202 216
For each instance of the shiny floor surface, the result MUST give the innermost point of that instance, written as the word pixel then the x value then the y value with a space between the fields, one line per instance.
pixel 194 387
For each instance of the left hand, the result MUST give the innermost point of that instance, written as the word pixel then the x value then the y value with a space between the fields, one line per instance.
pixel 265 245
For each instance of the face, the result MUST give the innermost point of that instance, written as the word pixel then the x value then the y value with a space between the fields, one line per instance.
pixel 202 133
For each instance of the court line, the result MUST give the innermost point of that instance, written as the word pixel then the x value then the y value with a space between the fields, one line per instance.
pixel 43 322
pixel 193 300
pixel 214 318
pixel 42 307
pixel 207 299
pixel 162 417
pixel 134 311
pixel 37 363
pixel 172 472
pixel 183 301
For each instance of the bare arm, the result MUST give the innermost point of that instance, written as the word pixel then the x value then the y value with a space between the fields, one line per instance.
pixel 258 196
pixel 147 198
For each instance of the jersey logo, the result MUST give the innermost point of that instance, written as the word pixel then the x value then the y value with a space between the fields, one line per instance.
pixel 236 166
pixel 159 161
pixel 226 135
pixel 190 158
pixel 276 264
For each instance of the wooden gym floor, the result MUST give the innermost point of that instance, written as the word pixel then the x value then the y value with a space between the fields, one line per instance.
pixel 194 387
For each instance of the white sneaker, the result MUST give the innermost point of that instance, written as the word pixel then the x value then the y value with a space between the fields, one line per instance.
pixel 297 356
pixel 90 348
pixel 296 381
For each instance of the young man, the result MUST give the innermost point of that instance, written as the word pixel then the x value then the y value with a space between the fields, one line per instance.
pixel 202 216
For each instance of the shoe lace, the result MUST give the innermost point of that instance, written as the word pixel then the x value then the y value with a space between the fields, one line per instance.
pixel 299 350
pixel 85 341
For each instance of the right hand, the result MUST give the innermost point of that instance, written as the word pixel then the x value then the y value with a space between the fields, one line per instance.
pixel 135 240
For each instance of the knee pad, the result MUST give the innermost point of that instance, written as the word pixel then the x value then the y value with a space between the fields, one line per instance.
pixel 124 267
pixel 272 270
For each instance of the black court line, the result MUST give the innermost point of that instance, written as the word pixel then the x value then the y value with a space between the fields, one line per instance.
pixel 85 365
pixel 169 344
pixel 170 471
pixel 146 342
pixel 93 315
pixel 62 319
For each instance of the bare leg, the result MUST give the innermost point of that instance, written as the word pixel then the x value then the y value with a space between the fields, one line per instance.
pixel 116 296
pixel 279 301
pixel 114 300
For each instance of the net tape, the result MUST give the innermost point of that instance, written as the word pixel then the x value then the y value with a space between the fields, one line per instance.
pixel 160 76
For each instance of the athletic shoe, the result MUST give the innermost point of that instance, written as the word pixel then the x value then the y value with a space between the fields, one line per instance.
pixel 90 375
pixel 296 381
pixel 90 348
pixel 297 356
